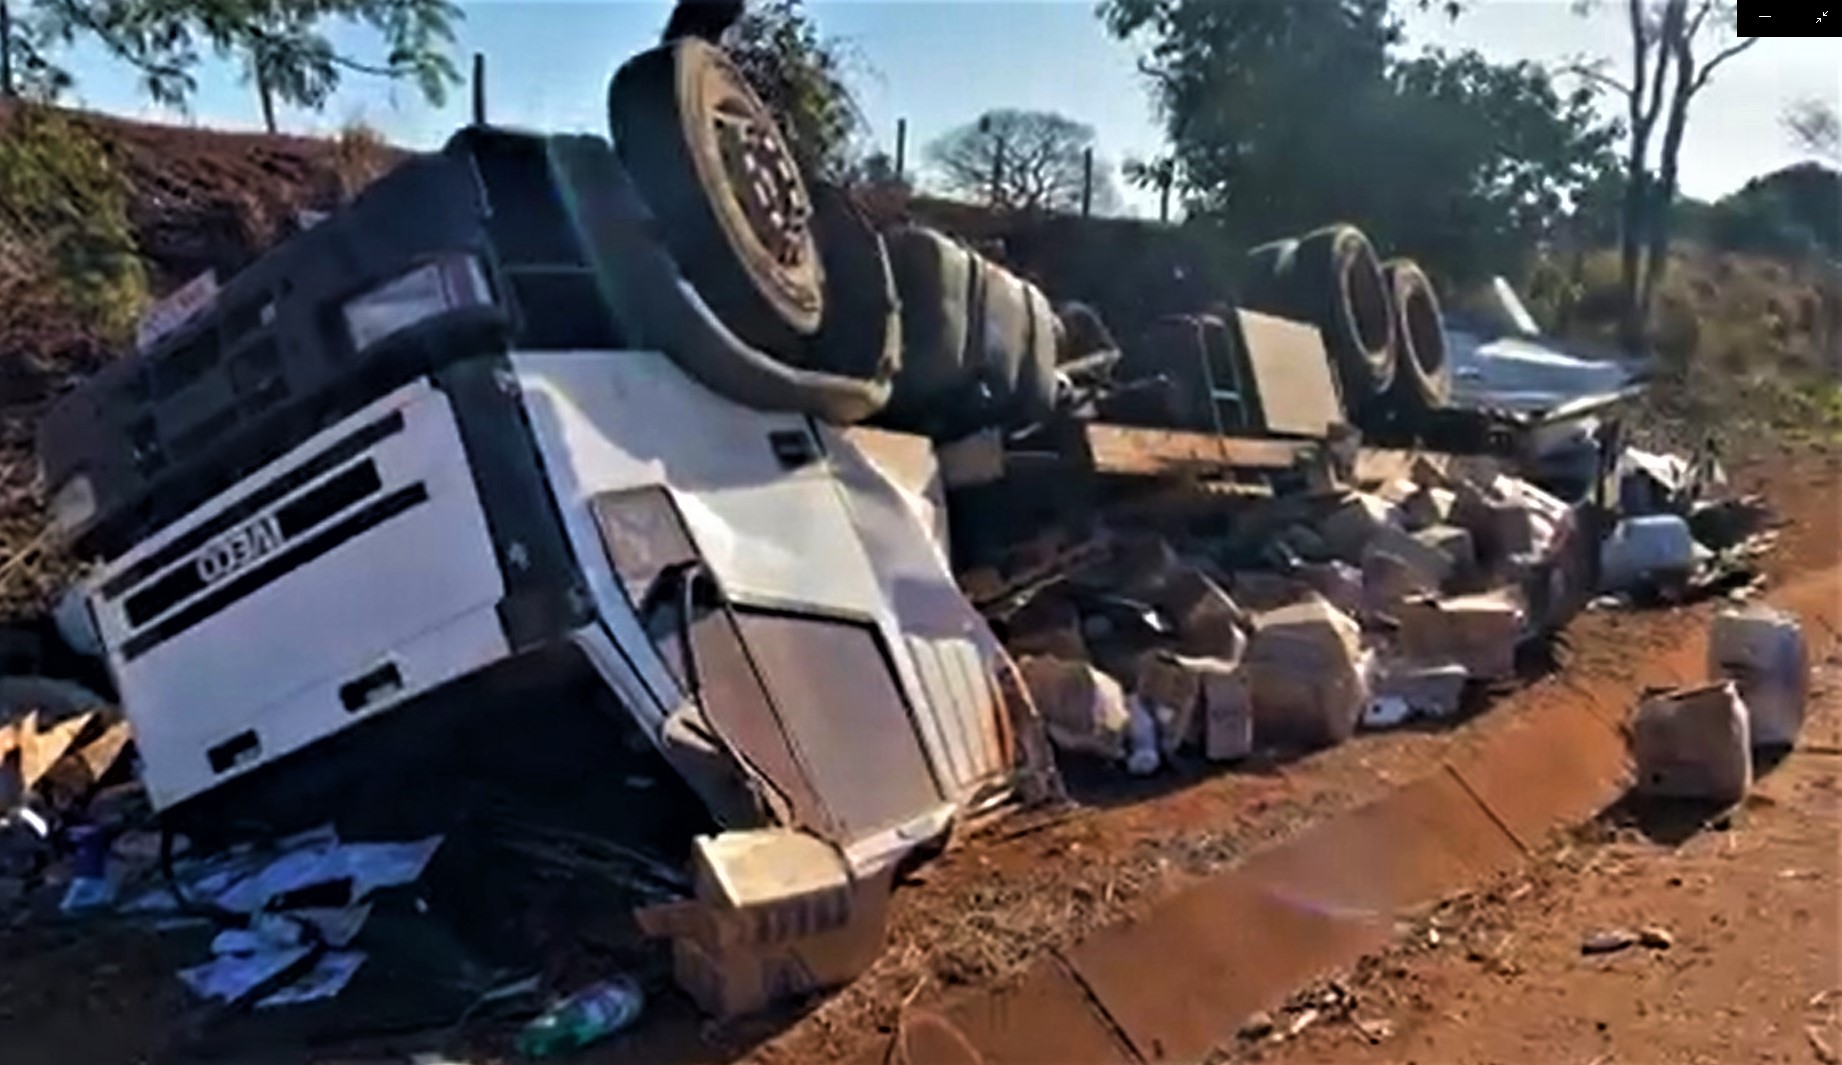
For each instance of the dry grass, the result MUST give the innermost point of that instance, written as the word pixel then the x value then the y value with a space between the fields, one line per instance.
pixel 360 156
pixel 1748 347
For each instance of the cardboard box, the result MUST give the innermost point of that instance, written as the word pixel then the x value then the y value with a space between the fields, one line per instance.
pixel 1303 670
pixel 1389 580
pixel 1693 743
pixel 1209 623
pixel 1455 544
pixel 1227 709
pixel 1082 708
pixel 728 980
pixel 1338 582
pixel 1427 507
pixel 1427 558
pixel 1479 632
pixel 1349 528
pixel 1047 625
pixel 776 915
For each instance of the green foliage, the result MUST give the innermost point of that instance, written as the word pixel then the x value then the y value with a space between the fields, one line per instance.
pixel 282 43
pixel 64 221
pixel 1796 211
pixel 1037 158
pixel 800 74
pixel 1289 114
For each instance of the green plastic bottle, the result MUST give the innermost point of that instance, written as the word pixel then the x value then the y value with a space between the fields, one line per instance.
pixel 593 1013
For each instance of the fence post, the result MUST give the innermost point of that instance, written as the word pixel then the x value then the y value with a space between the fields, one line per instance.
pixel 6 52
pixel 1087 181
pixel 479 88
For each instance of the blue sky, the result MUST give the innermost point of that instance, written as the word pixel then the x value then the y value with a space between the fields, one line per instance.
pixel 938 63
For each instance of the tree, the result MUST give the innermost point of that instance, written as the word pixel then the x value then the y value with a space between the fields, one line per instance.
pixel 1285 115
pixel 1665 77
pixel 1814 128
pixel 1021 160
pixel 282 43
pixel 800 74
pixel 1159 173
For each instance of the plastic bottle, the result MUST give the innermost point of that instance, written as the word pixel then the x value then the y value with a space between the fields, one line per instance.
pixel 595 1012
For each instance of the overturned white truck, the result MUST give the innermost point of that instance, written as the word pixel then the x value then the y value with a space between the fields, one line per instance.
pixel 571 412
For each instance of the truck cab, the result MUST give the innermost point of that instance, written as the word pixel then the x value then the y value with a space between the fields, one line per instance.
pixel 438 436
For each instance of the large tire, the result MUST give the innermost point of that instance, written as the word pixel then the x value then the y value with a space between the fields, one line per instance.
pixel 1335 282
pixel 708 158
pixel 1423 371
pixel 1263 282
pixel 861 335
pixel 661 310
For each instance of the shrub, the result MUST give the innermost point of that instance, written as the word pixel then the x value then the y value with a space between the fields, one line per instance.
pixel 65 236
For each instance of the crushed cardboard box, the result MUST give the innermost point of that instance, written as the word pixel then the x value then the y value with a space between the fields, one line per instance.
pixel 1427 558
pixel 1478 632
pixel 1349 528
pixel 776 914
pixel 1082 708
pixel 1428 506
pixel 1338 582
pixel 1455 544
pixel 1227 709
pixel 1209 623
pixel 1304 668
pixel 1693 743
pixel 1388 580
pixel 1048 625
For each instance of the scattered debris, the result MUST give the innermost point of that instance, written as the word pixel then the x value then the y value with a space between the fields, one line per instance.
pixel 1376 1031
pixel 1258 1026
pixel 1304 1020
pixel 1609 942
pixel 587 1016
pixel 1819 1046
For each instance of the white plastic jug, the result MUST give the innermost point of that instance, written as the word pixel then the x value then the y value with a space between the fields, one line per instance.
pixel 1762 651
pixel 1641 549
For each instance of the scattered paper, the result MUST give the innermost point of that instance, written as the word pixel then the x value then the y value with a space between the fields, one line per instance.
pixel 231 976
pixel 327 978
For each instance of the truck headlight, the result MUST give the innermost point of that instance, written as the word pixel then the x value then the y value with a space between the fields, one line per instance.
pixel 73 505
pixel 449 283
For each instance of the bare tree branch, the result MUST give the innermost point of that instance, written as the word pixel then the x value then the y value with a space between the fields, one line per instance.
pixel 1599 77
pixel 1720 57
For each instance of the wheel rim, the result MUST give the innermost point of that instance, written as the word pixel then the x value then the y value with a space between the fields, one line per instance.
pixel 764 182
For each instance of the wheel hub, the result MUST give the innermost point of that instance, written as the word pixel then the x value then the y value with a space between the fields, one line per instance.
pixel 765 183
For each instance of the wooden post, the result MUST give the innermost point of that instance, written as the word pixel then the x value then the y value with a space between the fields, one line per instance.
pixel 1164 198
pixel 6 52
pixel 901 147
pixel 1087 182
pixel 997 174
pixel 479 88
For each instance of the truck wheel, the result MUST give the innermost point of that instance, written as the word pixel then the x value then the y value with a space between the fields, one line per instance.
pixel 707 156
pixel 1423 373
pixel 1336 283
pixel 1263 286
pixel 861 334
